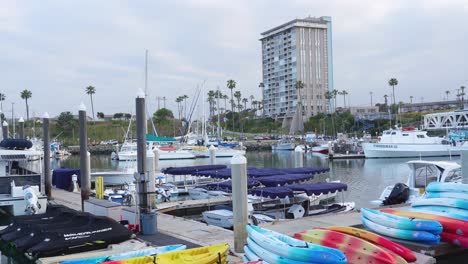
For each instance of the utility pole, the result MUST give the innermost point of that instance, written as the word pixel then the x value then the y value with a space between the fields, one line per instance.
pixel 13 119
pixel 164 101
pixel 371 99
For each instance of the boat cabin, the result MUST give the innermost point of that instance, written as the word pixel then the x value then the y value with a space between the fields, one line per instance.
pixel 424 172
pixel 409 136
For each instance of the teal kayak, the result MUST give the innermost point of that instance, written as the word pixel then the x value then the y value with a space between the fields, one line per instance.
pixel 251 256
pixel 456 203
pixel 271 257
pixel 442 210
pixel 292 248
pixel 399 222
pixel 447 187
pixel 420 236
pixel 453 195
pixel 127 255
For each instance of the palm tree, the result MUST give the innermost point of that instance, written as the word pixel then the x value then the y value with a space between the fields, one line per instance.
pixel 238 97
pixel 462 88
pixel 411 99
pixel 329 96
pixel 26 94
pixel 251 97
pixel 90 90
pixel 245 100
pixel 231 85
pixel 225 97
pixel 386 101
pixel 211 101
pixel 393 82
pixel 335 93
pixel 343 93
pixel 178 100
pixel 447 94
pixel 2 98
pixel 254 104
pixel 185 97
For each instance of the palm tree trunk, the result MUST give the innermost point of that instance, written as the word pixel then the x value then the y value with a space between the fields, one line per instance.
pixel 185 107
pixel 393 90
pixel 92 104
pixel 27 110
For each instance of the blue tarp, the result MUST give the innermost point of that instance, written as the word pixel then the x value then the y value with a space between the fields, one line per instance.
pixel 273 192
pixel 62 178
pixel 319 188
pixel 279 180
pixel 193 170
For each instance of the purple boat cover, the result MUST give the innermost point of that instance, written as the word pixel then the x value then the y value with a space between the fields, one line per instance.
pixel 193 170
pixel 257 173
pixel 273 192
pixel 319 188
pixel 279 180
pixel 217 174
pixel 307 170
pixel 227 185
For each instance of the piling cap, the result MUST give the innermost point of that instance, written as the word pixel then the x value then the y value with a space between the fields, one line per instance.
pixel 5 123
pixel 21 120
pixel 238 159
pixel 82 107
pixel 212 147
pixel 298 149
pixel 45 115
pixel 140 94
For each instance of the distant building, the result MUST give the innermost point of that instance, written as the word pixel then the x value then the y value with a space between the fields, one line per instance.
pixel 365 112
pixel 429 106
pixel 300 49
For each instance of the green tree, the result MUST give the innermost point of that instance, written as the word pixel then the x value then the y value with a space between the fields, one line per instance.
pixel 447 94
pixel 90 90
pixel 245 100
pixel 251 97
pixel 335 93
pixel 225 97
pixel 211 101
pixel 26 94
pixel 185 97
pixel 344 93
pixel 163 115
pixel 411 99
pixel 178 101
pixel 100 115
pixel 66 121
pixel 238 96
pixel 393 82
pixel 231 85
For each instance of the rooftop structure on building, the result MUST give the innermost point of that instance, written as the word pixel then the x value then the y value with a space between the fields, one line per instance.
pixel 430 106
pixel 299 50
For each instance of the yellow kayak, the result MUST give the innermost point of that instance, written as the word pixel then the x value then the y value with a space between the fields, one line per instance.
pixel 215 254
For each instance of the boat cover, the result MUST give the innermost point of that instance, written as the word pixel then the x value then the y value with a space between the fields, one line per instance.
pixel 227 185
pixel 312 170
pixel 319 188
pixel 62 178
pixel 217 174
pixel 280 180
pixel 273 192
pixel 257 173
pixel 194 170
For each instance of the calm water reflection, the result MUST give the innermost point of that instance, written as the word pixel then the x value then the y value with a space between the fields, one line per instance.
pixel 366 178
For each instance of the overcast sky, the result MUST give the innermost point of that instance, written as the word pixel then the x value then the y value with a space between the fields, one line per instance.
pixel 57 48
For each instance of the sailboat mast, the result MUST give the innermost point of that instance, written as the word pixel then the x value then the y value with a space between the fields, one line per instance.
pixel 218 126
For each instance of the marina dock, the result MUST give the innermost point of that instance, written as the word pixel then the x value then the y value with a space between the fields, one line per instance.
pixel 197 233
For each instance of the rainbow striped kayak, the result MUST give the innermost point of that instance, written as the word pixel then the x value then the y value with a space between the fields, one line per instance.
pixel 447 187
pixel 441 210
pixel 292 248
pixel 127 255
pixel 269 256
pixel 374 238
pixel 456 203
pixel 452 195
pixel 413 235
pixel 398 222
pixel 357 250
pixel 451 225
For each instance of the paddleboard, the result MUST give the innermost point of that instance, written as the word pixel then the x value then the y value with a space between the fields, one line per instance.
pixel 357 250
pixel 447 187
pixel 420 236
pixel 451 225
pixel 292 248
pixel 374 238
pixel 398 222
pixel 456 203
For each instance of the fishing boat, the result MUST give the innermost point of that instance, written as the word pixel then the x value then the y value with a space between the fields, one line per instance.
pixel 283 145
pixel 422 173
pixel 21 180
pixel 410 142
pixel 322 149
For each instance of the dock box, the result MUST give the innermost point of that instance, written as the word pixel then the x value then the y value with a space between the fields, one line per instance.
pixel 103 208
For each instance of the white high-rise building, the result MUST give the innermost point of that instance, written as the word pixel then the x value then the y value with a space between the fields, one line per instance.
pixel 299 50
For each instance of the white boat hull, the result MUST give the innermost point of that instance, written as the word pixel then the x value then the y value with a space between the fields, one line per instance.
pixel 390 150
pixel 222 218
pixel 163 155
pixel 287 147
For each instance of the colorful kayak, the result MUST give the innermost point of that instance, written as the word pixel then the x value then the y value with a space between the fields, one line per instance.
pixel 451 225
pixel 456 203
pixel 398 222
pixel 442 210
pixel 447 187
pixel 454 239
pixel 374 238
pixel 452 195
pixel 413 235
pixel 202 255
pixel 357 250
pixel 292 248
pixel 127 255
pixel 270 257
pixel 250 255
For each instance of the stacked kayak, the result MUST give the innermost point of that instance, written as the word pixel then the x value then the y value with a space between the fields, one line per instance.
pixel 215 254
pixel 126 255
pixel 275 248
pixel 455 231
pixel 420 230
pixel 357 250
